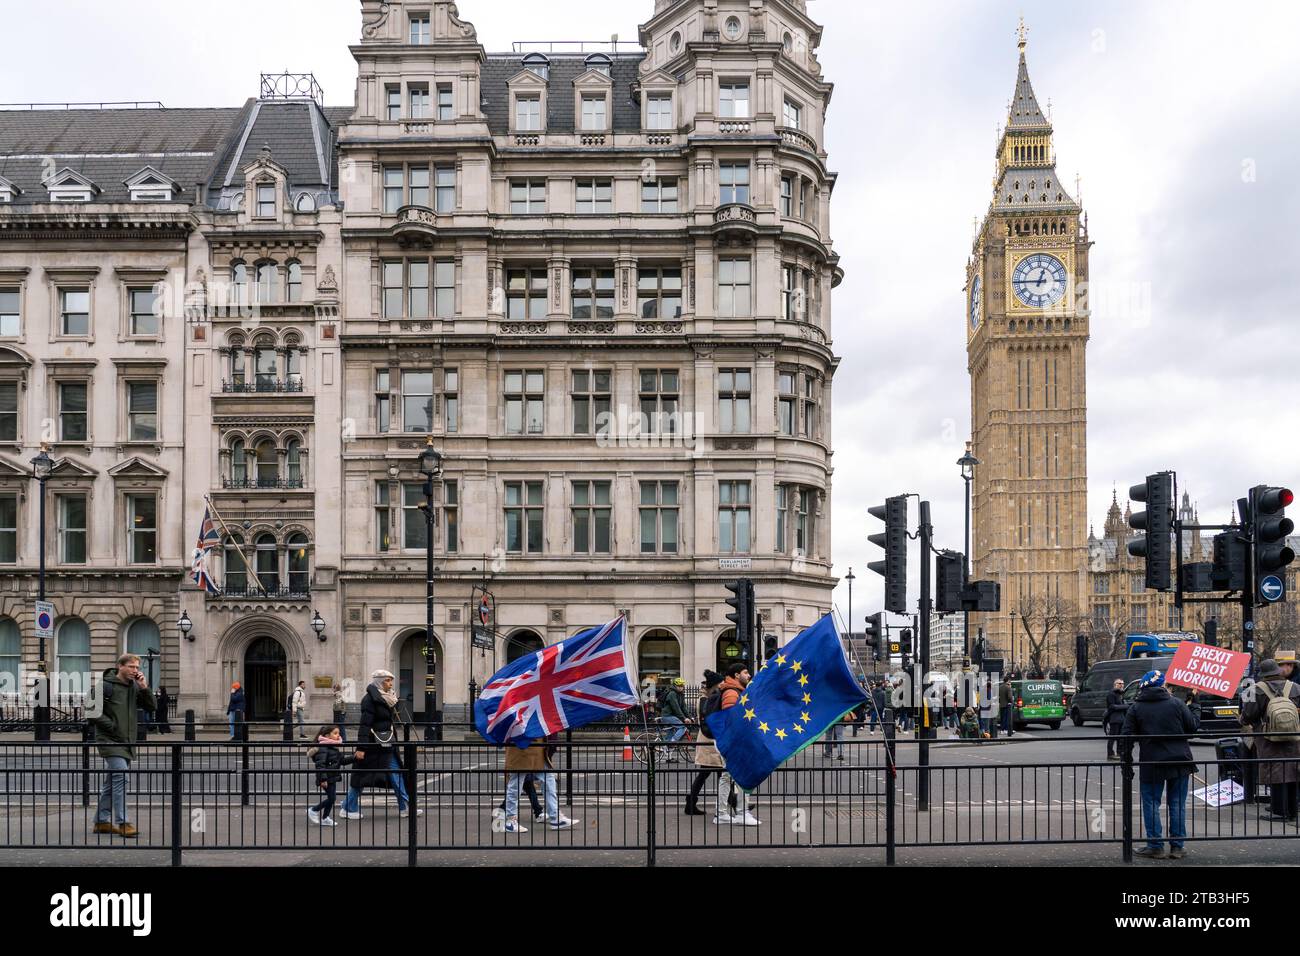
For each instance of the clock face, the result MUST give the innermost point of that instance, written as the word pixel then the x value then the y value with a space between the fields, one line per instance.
pixel 1039 280
pixel 976 302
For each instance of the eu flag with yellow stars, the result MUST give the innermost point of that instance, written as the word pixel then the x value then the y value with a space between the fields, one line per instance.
pixel 797 694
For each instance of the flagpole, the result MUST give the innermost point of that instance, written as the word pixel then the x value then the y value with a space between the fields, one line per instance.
pixel 238 550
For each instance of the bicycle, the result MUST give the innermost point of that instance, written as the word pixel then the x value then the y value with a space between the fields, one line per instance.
pixel 680 751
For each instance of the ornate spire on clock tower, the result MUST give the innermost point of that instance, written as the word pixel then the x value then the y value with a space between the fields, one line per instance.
pixel 1027 333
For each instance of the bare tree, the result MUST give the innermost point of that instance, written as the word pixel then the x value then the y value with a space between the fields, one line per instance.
pixel 1045 619
pixel 1106 638
pixel 1277 627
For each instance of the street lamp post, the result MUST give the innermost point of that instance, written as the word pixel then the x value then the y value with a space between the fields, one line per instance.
pixel 42 465
pixel 967 463
pixel 849 577
pixel 430 464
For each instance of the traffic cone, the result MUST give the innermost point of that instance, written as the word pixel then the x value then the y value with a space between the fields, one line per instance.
pixel 627 742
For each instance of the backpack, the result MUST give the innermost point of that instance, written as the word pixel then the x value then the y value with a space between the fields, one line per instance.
pixel 1281 718
pixel 710 705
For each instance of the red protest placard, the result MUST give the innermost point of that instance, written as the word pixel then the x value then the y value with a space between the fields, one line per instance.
pixel 1211 670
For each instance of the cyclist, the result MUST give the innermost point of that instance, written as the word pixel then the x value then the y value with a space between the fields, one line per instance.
pixel 673 710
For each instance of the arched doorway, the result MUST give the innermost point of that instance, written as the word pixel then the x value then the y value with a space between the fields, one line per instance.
pixel 729 651
pixel 658 654
pixel 266 681
pixel 522 642
pixel 412 670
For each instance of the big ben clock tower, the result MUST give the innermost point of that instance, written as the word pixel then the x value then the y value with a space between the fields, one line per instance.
pixel 1026 339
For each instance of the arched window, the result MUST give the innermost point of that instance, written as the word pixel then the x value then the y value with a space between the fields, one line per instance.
pixel 267 276
pixel 599 62
pixel 265 365
pixel 521 643
pixel 299 566
pixel 239 282
pixel 659 653
pixel 238 463
pixel 236 581
pixel 294 281
pixel 237 360
pixel 268 564
pixel 140 636
pixel 306 203
pixel 293 463
pixel 539 64
pixel 268 466
pixel 72 650
pixel 293 363
pixel 11 656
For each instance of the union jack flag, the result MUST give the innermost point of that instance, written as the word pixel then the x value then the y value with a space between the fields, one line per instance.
pixel 559 687
pixel 208 539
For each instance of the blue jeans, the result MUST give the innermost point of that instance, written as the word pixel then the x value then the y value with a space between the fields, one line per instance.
pixel 548 787
pixel 351 803
pixel 112 796
pixel 678 731
pixel 1175 791
pixel 233 717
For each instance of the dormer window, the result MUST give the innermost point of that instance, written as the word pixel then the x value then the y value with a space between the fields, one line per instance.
pixel 149 185
pixel 67 185
pixel 594 115
pixel 600 63
pixel 539 64
pixel 659 111
pixel 8 191
pixel 266 200
pixel 420 35
pixel 528 112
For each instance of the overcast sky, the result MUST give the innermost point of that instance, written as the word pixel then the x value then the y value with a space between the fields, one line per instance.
pixel 1180 117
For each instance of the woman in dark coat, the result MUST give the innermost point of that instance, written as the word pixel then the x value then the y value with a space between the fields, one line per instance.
pixel 164 708
pixel 1113 721
pixel 378 760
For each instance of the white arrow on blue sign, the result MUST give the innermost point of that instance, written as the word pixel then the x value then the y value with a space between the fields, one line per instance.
pixel 1272 589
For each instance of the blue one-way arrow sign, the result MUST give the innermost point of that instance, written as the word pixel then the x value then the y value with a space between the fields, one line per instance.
pixel 1271 589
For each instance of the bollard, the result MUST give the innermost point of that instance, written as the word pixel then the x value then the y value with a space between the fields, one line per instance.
pixel 288 724
pixel 189 726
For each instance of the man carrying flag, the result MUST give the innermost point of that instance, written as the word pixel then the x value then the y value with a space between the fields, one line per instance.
pixel 796 695
pixel 208 539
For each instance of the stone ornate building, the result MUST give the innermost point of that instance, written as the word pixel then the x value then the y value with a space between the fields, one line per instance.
pixel 1027 329
pixel 598 278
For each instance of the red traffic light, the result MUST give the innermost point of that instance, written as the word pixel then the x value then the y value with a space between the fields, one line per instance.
pixel 1284 497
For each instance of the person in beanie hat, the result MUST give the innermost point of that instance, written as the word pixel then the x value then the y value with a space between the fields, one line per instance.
pixel 1165 758
pixel 1281 776
pixel 707 757
pixel 378 758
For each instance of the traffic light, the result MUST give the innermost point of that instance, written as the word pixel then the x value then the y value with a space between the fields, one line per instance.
pixel 742 606
pixel 1158 523
pixel 769 647
pixel 1268 512
pixel 950 579
pixel 1231 562
pixel 1212 632
pixel 894 540
pixel 1081 653
pixel 873 634
pixel 905 640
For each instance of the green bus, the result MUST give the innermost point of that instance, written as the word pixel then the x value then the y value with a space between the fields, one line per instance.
pixel 1038 702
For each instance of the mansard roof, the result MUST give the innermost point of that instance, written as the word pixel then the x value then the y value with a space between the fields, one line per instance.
pixel 565 69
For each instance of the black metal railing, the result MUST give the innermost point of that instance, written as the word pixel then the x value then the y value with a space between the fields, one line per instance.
pixel 860 795
pixel 294 591
pixel 264 385
pixel 267 484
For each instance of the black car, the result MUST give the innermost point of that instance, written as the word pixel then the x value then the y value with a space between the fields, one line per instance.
pixel 1218 716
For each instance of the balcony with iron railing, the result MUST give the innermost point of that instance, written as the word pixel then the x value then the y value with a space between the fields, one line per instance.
pixel 261 385
pixel 295 590
pixel 261 484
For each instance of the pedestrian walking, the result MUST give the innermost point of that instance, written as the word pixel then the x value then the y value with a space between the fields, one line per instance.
pixel 1006 707
pixel 298 705
pixel 235 709
pixel 879 701
pixel 1272 708
pixel 707 757
pixel 124 692
pixel 832 749
pixel 533 760
pixel 673 712
pixel 160 717
pixel 1113 720
pixel 378 760
pixel 328 760
pixel 530 791
pixel 732 797
pixel 340 711
pixel 1164 722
